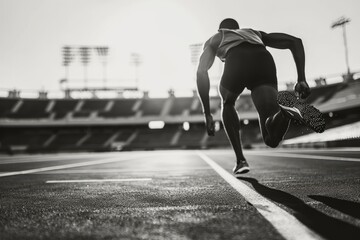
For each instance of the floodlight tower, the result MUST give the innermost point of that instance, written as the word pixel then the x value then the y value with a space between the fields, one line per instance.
pixel 136 60
pixel 85 59
pixel 67 58
pixel 341 22
pixel 103 53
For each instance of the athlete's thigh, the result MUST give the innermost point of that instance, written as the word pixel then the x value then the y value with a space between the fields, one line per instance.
pixel 265 101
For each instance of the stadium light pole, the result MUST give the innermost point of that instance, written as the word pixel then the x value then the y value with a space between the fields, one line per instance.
pixel 67 58
pixel 136 61
pixel 85 59
pixel 103 53
pixel 341 22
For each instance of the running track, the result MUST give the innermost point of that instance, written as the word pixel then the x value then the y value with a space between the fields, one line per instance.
pixel 289 194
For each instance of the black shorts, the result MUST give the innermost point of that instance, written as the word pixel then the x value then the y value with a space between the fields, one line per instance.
pixel 248 65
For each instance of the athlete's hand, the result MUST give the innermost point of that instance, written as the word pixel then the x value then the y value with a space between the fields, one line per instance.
pixel 210 125
pixel 302 89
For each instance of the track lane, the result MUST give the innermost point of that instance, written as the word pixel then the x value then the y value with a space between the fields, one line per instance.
pixel 184 194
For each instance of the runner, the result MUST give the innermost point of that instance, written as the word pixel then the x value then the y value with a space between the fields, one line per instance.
pixel 249 65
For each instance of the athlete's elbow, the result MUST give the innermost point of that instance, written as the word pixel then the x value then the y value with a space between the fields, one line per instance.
pixel 296 43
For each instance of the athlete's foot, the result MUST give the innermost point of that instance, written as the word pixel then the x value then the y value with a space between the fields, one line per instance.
pixel 301 112
pixel 241 167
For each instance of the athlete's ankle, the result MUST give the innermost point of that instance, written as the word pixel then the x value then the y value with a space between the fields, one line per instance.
pixel 240 160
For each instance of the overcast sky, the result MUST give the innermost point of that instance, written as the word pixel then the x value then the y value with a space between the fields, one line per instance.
pixel 33 33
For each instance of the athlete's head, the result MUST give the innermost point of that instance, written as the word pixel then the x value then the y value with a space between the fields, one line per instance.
pixel 229 23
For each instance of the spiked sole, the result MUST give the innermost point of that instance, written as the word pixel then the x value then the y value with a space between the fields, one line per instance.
pixel 301 112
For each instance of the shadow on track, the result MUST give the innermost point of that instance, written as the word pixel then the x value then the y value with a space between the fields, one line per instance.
pixel 328 227
pixel 348 207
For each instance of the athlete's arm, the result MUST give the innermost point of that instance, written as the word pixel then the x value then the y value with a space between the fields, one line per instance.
pixel 295 45
pixel 202 79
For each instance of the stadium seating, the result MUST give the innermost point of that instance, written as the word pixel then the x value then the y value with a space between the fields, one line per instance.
pixel 96 139
pixel 31 109
pixel 66 139
pixel 6 105
pixel 62 107
pixel 152 106
pixel 120 108
pixel 89 106
pixel 121 124
pixel 214 106
pixel 193 138
pixel 27 139
pixel 153 138
pixel 219 140
pixel 179 105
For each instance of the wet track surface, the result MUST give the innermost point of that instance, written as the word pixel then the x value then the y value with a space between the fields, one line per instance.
pixel 178 195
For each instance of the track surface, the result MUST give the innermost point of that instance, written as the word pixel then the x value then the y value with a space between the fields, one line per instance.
pixel 181 195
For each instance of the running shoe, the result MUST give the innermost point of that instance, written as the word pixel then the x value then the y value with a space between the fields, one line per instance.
pixel 301 112
pixel 241 168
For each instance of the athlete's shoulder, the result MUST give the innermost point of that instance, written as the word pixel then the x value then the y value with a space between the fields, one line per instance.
pixel 214 41
pixel 257 32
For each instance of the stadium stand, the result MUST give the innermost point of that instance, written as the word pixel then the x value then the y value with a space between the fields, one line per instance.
pixel 152 106
pixel 214 106
pixel 193 138
pixel 220 140
pixel 6 106
pixel 119 108
pixel 179 105
pixel 31 109
pixel 148 139
pixel 23 139
pixel 89 106
pixel 97 139
pixel 66 140
pixel 62 107
pixel 52 125
pixel 81 114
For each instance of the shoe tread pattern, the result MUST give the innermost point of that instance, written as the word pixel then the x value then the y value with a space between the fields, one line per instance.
pixel 312 117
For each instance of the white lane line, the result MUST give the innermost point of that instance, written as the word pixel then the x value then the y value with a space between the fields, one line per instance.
pixel 65 166
pixel 306 156
pixel 62 157
pixel 99 180
pixel 286 224
pixel 115 170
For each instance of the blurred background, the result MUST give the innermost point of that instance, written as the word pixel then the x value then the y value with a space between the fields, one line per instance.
pixel 117 75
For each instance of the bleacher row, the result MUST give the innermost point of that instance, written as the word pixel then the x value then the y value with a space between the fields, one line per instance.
pixel 109 108
pixel 57 109
pixel 115 138
pixel 55 125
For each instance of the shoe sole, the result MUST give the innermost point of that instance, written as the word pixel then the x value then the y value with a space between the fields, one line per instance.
pixel 302 112
pixel 241 171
